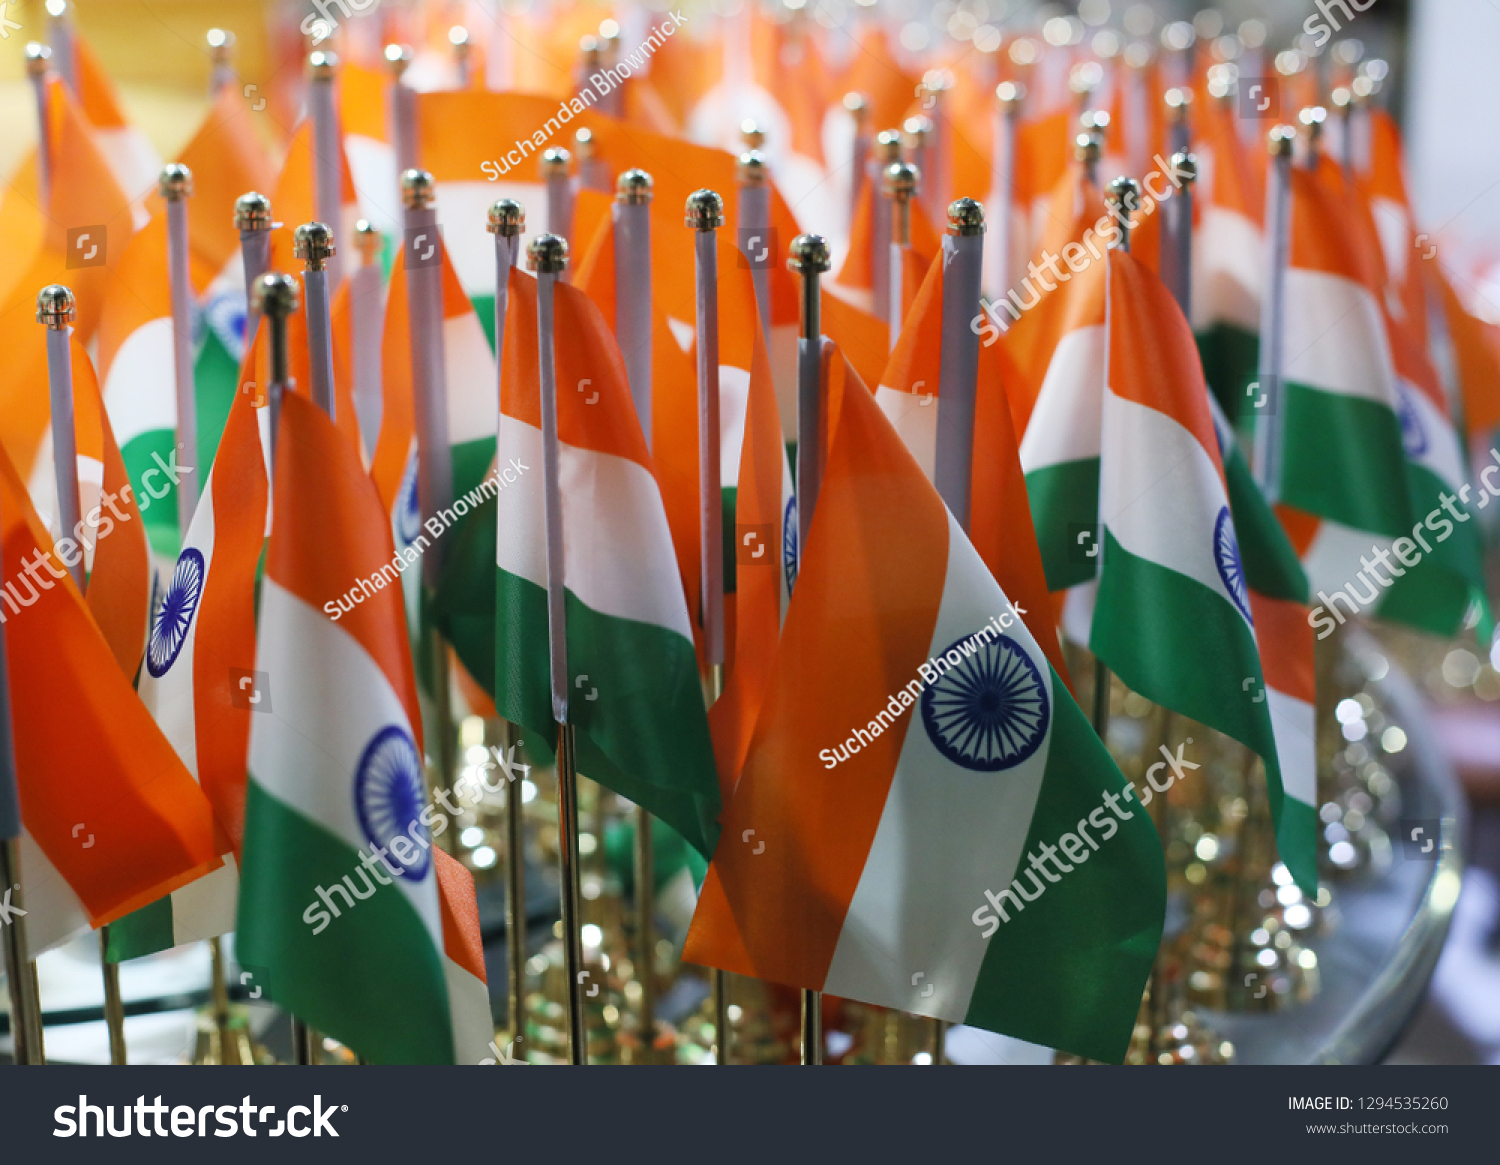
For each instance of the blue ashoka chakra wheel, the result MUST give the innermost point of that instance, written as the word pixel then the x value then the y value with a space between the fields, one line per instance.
pixel 989 712
pixel 1227 559
pixel 225 314
pixel 789 542
pixel 1413 435
pixel 408 507
pixel 389 795
pixel 175 615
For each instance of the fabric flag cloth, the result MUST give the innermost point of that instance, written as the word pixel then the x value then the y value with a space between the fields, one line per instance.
pixel 199 682
pixel 1000 524
pixel 1341 453
pixel 1172 614
pixel 874 860
pixel 634 692
pixel 132 158
pixel 463 961
pixel 128 826
pixel 339 911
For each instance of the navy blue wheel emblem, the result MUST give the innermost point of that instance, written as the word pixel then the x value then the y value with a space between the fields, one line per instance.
pixel 226 316
pixel 789 542
pixel 389 796
pixel 408 507
pixel 1413 435
pixel 175 615
pixel 1227 559
pixel 990 711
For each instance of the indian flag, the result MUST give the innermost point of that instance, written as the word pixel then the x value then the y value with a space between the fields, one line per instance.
pixel 339 904
pixel 916 765
pixel 1228 258
pixel 132 158
pixel 131 824
pixel 1060 440
pixel 1340 412
pixel 1172 614
pixel 634 692
pixel 199 682
pixel 463 961
pixel 1000 525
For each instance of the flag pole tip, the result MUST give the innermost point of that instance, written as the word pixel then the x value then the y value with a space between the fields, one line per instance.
pixel 1281 140
pixel 900 180
pixel 750 168
pixel 507 218
pixel 313 243
pixel 37 56
pixel 547 254
pixel 397 57
pixel 56 307
pixel 275 294
pixel 252 212
pixel 751 134
pixel 633 188
pixel 1010 94
pixel 705 210
pixel 1186 166
pixel 417 189
pixel 809 255
pixel 965 217
pixel 888 146
pixel 175 182
pixel 554 163
pixel 321 64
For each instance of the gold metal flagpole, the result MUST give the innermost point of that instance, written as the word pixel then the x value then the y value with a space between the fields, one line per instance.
pixel 56 310
pixel 810 259
pixel 276 296
pixel 548 257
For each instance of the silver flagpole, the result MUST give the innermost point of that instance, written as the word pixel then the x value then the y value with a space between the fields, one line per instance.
pixel 1273 312
pixel 38 60
pixel 20 969
pixel 754 226
pixel 548 257
pixel 276 296
pixel 858 108
pixel 367 323
pixel 1008 97
pixel 633 290
pixel 221 57
pixel 554 170
pixel 328 171
pixel 507 222
pixel 937 85
pixel 1178 102
pixel 899 185
pixel 918 149
pixel 64 47
pixel 809 259
pixel 1177 241
pixel 401 110
pixel 313 243
pixel 887 152
pixel 176 187
pixel 463 56
pixel 252 218
pixel 56 310
pixel 593 171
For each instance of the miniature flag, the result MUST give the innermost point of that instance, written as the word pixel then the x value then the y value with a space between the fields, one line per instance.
pixel 463 961
pixel 339 906
pixel 200 684
pixel 1172 614
pixel 1000 525
pixel 634 691
pixel 916 765
pixel 128 826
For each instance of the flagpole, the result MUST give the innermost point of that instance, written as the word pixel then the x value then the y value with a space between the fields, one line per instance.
pixel 1178 102
pixel 937 85
pixel 401 110
pixel 554 169
pixel 367 323
pixel 424 307
pixel 1273 311
pixel 809 259
pixel 1008 97
pixel 899 186
pixel 20 968
pixel 64 46
pixel 56 309
pixel 754 223
pixel 887 153
pixel 548 257
pixel 593 171
pixel 917 146
pixel 1177 244
pixel 252 218
pixel 328 170
pixel 176 187
pixel 37 58
pixel 313 243
pixel 858 108
pixel 507 222
pixel 633 288
pixel 458 37
pixel 276 296
pixel 221 57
